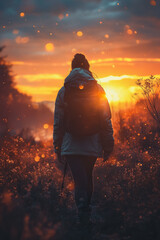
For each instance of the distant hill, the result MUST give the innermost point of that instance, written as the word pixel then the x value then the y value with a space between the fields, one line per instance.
pixel 49 104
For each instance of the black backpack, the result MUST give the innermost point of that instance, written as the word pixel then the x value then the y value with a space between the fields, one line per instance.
pixel 82 108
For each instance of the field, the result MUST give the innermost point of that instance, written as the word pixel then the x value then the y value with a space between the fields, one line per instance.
pixel 126 190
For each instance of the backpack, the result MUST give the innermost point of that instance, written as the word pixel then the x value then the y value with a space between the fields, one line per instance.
pixel 81 100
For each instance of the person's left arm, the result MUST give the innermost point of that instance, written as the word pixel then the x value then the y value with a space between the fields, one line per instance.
pixel 58 131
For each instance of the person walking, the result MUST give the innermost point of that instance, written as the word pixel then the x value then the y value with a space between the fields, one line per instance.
pixel 82 129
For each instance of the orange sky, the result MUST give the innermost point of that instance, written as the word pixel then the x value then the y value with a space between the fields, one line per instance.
pixel 121 40
pixel 116 75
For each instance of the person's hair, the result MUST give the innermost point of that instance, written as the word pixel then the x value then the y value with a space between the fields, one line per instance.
pixel 80 61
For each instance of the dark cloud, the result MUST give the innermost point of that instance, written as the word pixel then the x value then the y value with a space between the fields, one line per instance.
pixel 84 15
pixel 54 6
pixel 141 8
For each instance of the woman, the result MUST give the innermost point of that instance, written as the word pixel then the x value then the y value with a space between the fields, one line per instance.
pixel 81 152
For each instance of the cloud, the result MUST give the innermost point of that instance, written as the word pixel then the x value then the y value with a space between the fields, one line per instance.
pixel 141 8
pixel 42 6
pixel 83 15
pixel 46 22
pixel 34 81
pixel 128 60
pixel 35 77
pixel 123 77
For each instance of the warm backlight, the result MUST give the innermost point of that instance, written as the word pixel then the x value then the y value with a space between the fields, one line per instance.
pixel 112 95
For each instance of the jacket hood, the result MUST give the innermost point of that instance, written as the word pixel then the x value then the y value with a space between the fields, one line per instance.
pixel 79 74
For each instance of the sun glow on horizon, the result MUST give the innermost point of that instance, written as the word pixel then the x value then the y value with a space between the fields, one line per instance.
pixel 112 95
pixel 44 87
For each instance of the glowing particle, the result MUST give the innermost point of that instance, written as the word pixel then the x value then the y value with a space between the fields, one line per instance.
pixel 50 34
pixel 118 3
pixel 38 31
pixel 34 26
pixel 60 16
pixel 70 186
pixel 138 41
pixel 100 22
pixel 81 87
pixel 135 32
pixel 129 31
pixel 73 50
pixel 49 47
pixel 113 66
pixel 43 156
pixel 153 3
pixel 127 26
pixel 36 159
pixel 22 14
pixel 106 36
pixel 79 33
pixel 67 15
pixel 56 24
pixel 45 126
pixel 15 31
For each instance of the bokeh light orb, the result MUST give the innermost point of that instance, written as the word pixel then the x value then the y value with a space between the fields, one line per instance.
pixel 153 3
pixel 45 126
pixel 106 36
pixel 49 47
pixel 37 158
pixel 129 32
pixel 79 33
pixel 22 14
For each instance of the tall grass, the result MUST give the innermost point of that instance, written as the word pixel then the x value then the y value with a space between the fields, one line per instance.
pixel 126 195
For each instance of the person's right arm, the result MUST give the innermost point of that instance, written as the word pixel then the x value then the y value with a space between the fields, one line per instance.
pixel 106 132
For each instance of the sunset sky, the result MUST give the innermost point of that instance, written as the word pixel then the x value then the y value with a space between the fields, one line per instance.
pixel 121 40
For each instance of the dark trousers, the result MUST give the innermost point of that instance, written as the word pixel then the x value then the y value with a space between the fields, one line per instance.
pixel 82 168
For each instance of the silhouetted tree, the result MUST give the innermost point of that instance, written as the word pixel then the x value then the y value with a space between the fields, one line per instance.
pixel 16 109
pixel 150 90
pixel 6 86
